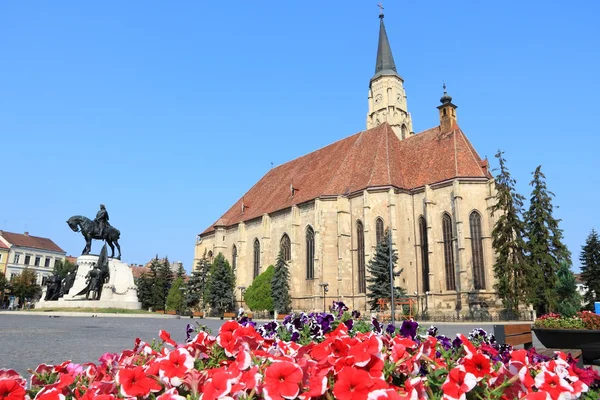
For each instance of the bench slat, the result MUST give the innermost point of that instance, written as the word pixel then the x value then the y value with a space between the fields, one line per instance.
pixel 517 329
pixel 519 339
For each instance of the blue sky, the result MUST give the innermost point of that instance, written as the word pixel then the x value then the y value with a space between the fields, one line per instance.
pixel 185 104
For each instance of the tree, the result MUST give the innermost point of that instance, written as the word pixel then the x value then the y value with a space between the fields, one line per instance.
pixel 145 290
pixel 511 270
pixel 280 286
pixel 3 282
pixel 568 300
pixel 545 249
pixel 180 271
pixel 379 274
pixel 175 297
pixel 590 268
pixel 221 284
pixel 62 268
pixel 25 285
pixel 161 278
pixel 196 285
pixel 258 295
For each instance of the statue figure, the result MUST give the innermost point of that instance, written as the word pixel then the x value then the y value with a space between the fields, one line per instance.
pixel 98 229
pixel 67 282
pixel 101 220
pixel 98 276
pixel 53 285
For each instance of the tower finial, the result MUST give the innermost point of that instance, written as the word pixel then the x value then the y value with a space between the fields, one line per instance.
pixel 380 10
pixel 446 98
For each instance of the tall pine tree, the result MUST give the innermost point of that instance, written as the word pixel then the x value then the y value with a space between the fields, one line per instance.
pixel 221 285
pixel 180 271
pixel 196 285
pixel 568 299
pixel 590 268
pixel 379 274
pixel 144 290
pixel 280 286
pixel 511 269
pixel 545 248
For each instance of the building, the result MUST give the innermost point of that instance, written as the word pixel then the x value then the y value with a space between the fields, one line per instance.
pixel 581 288
pixel 4 249
pixel 327 210
pixel 36 253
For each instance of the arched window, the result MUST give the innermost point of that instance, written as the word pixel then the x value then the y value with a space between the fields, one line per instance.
pixel 477 250
pixel 210 256
pixel 379 230
pixel 256 258
pixel 285 246
pixel 424 253
pixel 234 259
pixel 310 253
pixel 404 131
pixel 448 252
pixel 360 241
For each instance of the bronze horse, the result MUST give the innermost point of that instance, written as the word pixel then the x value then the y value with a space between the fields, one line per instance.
pixel 89 230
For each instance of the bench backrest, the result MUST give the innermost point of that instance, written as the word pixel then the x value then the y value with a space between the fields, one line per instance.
pixel 514 334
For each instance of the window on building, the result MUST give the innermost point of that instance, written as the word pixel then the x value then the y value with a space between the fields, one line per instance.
pixel 17 258
pixel 285 246
pixel 310 253
pixel 1 257
pixel 13 275
pixel 47 262
pixel 379 230
pixel 256 258
pixel 27 259
pixel 234 259
pixel 44 279
pixel 38 259
pixel 404 131
pixel 360 242
pixel 448 252
pixel 424 253
pixel 477 251
pixel 210 256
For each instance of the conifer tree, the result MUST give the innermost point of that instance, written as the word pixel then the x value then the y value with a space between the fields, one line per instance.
pixel 590 268
pixel 568 300
pixel 145 290
pixel 511 269
pixel 180 271
pixel 175 296
pixel 545 249
pixel 197 285
pixel 280 286
pixel 379 274
pixel 162 278
pixel 221 284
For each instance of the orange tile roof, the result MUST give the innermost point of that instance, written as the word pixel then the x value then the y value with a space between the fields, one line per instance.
pixel 371 158
pixel 3 246
pixel 34 242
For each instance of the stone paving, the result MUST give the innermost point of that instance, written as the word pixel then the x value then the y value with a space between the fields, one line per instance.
pixel 29 340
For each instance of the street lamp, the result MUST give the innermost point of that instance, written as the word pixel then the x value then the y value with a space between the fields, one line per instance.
pixel 325 287
pixel 242 290
pixel 182 289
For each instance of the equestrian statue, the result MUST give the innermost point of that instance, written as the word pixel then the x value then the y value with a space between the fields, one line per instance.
pixel 98 229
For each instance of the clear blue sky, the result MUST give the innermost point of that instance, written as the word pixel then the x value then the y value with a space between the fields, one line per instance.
pixel 187 103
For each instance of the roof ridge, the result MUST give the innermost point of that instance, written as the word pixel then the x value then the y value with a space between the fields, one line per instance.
pixel 470 149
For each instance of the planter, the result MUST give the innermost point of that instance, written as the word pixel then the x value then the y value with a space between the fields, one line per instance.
pixel 588 341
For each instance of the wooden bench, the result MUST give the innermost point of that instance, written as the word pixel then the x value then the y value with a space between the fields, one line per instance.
pixel 520 334
pixel 229 315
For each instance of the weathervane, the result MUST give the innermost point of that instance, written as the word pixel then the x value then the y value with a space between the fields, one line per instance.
pixel 380 9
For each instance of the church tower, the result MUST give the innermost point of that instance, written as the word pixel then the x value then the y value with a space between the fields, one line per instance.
pixel 387 98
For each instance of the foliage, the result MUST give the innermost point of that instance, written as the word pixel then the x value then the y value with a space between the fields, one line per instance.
pixel 175 296
pixel 582 320
pixel 379 274
pixel 511 269
pixel 280 286
pixel 196 285
pixel 25 285
pixel 62 268
pixel 258 295
pixel 545 247
pixel 569 301
pixel 590 268
pixel 180 271
pixel 221 285
pixel 3 282
pixel 153 286
pixel 145 290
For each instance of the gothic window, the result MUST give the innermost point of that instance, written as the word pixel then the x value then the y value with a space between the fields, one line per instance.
pixel 256 258
pixel 285 246
pixel 360 241
pixel 448 252
pixel 310 253
pixel 210 256
pixel 404 131
pixel 234 259
pixel 379 231
pixel 424 253
pixel 477 251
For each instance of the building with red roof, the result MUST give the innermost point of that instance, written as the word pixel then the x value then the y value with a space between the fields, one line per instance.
pixel 326 211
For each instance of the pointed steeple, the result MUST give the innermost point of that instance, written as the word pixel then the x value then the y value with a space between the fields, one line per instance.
pixel 385 60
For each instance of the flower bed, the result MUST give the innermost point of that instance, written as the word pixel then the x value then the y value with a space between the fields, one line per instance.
pixel 582 320
pixel 312 356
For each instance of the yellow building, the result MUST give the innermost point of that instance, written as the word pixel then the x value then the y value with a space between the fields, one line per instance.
pixel 3 257
pixel 327 210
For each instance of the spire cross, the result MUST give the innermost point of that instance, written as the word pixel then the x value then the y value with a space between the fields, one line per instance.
pixel 380 9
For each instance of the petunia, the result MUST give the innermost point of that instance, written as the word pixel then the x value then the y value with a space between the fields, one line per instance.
pixel 50 394
pixel 479 365
pixel 170 394
pixel 218 386
pixel 281 381
pixel 11 389
pixel 458 384
pixel 409 328
pixel 173 368
pixel 352 384
pixel 166 337
pixel 135 383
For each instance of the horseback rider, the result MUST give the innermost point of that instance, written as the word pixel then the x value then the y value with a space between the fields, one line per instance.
pixel 102 220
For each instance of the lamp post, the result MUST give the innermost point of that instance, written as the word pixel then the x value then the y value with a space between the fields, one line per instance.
pixel 325 287
pixel 242 290
pixel 182 306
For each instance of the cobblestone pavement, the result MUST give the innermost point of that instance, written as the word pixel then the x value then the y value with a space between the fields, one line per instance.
pixel 29 340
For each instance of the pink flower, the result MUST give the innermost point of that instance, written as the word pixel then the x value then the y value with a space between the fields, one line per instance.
pixel 281 381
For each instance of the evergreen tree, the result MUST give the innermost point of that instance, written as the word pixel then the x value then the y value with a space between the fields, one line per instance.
pixel 221 284
pixel 568 300
pixel 545 249
pixel 590 268
pixel 175 296
pixel 512 271
pixel 145 290
pixel 280 286
pixel 62 268
pixel 180 271
pixel 379 274
pixel 258 296
pixel 196 286
pixel 162 278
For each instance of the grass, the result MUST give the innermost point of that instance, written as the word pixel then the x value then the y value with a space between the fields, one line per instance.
pixel 95 310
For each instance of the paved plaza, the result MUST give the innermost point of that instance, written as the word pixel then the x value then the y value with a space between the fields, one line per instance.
pixel 29 340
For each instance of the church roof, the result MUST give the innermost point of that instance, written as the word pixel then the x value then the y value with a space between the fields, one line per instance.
pixel 34 242
pixel 384 65
pixel 371 158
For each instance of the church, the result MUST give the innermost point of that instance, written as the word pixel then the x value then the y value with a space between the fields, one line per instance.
pixel 327 210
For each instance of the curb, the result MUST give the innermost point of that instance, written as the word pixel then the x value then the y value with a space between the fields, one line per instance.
pixel 88 314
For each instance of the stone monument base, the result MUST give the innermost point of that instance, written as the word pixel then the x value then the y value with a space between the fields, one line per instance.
pixel 119 292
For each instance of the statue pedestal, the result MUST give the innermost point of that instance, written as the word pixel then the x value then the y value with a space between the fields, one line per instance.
pixel 119 292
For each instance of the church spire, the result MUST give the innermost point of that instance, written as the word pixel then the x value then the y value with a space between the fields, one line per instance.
pixel 384 65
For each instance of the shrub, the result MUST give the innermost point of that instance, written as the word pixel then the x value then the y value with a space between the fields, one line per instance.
pixel 583 320
pixel 258 295
pixel 590 320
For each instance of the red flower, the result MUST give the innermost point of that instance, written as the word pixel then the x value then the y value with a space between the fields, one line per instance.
pixel 50 394
pixel 219 385
pixel 478 365
pixel 135 383
pixel 553 384
pixel 537 396
pixel 173 367
pixel 352 384
pixel 11 389
pixel 170 394
pixel 457 384
pixel 281 380
pixel 166 337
